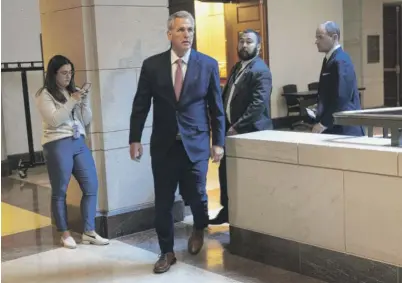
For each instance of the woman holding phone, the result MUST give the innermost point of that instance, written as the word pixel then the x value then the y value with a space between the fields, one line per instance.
pixel 65 112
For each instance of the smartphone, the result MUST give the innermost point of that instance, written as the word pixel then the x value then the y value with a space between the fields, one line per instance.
pixel 86 87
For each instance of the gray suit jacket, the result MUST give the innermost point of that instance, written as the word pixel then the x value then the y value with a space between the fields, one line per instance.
pixel 250 104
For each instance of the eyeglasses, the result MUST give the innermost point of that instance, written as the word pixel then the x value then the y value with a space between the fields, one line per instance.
pixel 65 73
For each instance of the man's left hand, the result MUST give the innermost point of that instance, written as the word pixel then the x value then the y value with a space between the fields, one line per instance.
pixel 216 153
pixel 318 128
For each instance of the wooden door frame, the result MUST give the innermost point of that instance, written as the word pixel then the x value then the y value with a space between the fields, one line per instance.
pixel 263 31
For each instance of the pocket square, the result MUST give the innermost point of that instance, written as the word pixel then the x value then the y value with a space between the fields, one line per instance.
pixel 325 74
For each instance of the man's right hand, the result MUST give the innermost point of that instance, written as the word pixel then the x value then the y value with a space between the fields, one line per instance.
pixel 136 151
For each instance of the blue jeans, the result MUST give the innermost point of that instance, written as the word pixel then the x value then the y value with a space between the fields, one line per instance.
pixel 63 158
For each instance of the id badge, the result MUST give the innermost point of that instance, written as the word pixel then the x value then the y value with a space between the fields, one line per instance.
pixel 76 132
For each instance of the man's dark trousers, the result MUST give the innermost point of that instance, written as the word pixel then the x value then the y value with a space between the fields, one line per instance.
pixel 171 170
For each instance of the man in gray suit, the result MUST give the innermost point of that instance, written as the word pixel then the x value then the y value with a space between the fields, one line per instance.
pixel 246 97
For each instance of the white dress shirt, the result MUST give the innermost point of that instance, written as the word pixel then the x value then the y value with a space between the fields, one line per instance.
pixel 329 54
pixel 184 64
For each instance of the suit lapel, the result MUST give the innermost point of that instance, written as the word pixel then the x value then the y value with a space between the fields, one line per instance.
pixel 192 73
pixel 323 66
pixel 243 76
pixel 166 75
pixel 230 80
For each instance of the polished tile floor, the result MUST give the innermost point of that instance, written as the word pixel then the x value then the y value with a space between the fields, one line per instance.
pixel 31 250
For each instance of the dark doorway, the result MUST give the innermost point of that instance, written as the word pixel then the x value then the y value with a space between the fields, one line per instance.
pixel 392 25
pixel 186 5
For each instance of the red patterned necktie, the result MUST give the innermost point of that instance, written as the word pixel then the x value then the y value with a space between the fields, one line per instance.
pixel 178 81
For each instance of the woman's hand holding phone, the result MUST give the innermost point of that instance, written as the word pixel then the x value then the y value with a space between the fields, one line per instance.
pixel 77 95
pixel 82 92
pixel 86 87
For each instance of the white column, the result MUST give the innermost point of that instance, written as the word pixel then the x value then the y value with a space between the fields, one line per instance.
pixel 108 40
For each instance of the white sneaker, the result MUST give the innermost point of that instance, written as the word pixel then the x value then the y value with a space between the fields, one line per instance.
pixel 94 239
pixel 68 242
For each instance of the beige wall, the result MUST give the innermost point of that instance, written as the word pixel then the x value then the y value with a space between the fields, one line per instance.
pixel 372 74
pixel 363 18
pixel 20 17
pixel 20 42
pixel 293 56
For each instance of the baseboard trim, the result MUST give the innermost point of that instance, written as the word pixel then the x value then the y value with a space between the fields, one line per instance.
pixel 319 263
pixel 118 225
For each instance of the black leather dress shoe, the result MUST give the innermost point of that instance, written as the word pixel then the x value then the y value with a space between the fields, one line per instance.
pixel 221 218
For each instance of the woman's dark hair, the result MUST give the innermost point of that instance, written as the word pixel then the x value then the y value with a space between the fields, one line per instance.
pixel 53 67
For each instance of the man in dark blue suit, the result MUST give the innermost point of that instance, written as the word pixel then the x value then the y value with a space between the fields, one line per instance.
pixel 337 89
pixel 184 87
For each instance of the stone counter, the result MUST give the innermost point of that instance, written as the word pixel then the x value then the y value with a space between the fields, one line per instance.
pixel 326 206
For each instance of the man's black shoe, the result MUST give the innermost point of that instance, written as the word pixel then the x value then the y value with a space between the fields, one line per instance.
pixel 221 218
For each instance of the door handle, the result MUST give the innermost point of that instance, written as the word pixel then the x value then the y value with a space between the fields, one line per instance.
pixel 397 69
